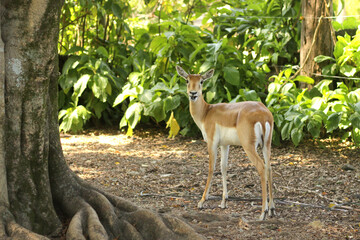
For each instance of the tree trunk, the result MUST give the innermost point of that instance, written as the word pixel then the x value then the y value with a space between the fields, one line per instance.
pixel 315 40
pixel 36 185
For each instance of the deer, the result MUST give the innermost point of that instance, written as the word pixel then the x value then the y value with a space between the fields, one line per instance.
pixel 248 124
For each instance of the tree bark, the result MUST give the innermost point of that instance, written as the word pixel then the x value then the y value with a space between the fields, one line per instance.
pixel 38 189
pixel 3 187
pixel 323 44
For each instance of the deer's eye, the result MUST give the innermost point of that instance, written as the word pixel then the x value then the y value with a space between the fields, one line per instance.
pixel 201 82
pixel 187 81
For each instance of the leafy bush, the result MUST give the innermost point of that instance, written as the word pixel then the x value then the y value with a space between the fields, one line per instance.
pixel 346 60
pixel 319 111
pixel 118 72
pixel 291 108
pixel 88 86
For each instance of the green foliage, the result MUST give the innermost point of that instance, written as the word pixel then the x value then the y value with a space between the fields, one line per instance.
pixel 86 79
pixel 120 67
pixel 349 23
pixel 269 40
pixel 346 60
pixel 300 112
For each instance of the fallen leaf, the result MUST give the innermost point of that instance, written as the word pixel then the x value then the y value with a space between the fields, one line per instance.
pixel 331 205
pixel 316 224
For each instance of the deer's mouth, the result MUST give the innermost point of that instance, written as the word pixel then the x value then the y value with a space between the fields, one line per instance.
pixel 193 97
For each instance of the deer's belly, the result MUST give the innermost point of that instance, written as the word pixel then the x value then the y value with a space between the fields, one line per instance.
pixel 227 136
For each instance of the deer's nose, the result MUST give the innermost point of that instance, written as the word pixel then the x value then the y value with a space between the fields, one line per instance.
pixel 193 92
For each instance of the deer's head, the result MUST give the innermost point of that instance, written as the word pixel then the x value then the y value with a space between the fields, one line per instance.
pixel 194 82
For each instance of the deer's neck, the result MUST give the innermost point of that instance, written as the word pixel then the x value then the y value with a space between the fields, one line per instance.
pixel 198 109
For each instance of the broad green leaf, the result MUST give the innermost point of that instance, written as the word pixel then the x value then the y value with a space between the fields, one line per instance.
pixel 99 107
pixel 124 95
pixel 287 73
pixel 169 34
pixel 300 120
pixel 357 107
pixel 333 121
pixel 348 70
pixel 275 57
pixel 323 86
pixel 304 79
pixel 160 86
pixel 116 9
pixel 232 75
pixel 133 114
pixel 322 58
pixel 354 96
pixel 274 87
pixel 171 103
pixel 123 122
pixel 146 96
pixel 285 131
pixel 210 95
pixel 157 44
pixel 314 92
pixel 355 120
pixel 290 116
pixel 286 88
pixel 83 113
pixel 134 78
pixel 314 127
pixel 102 51
pixel 317 103
pixel 71 63
pixel 296 135
pixel 156 110
pixel 266 68
pixel 81 84
pixel 99 87
pixel 339 47
pixel 66 81
pixel 276 138
pixel 251 95
pixel 339 107
pixel 197 50
pixel 355 135
pixel 329 69
pixel 62 113
pixel 299 97
pixel 278 119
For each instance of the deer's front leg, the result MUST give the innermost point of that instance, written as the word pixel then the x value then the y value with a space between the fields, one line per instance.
pixel 212 161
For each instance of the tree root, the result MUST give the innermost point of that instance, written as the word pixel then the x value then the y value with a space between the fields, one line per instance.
pixel 9 229
pixel 93 214
pixel 103 216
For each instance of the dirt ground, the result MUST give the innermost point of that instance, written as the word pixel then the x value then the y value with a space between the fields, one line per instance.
pixel 316 185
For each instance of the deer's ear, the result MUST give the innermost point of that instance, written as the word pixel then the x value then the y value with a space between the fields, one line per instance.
pixel 182 72
pixel 208 74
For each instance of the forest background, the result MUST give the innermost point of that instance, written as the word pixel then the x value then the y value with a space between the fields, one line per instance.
pixel 118 63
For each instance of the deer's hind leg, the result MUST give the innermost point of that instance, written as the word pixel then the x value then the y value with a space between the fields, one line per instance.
pixel 268 173
pixel 260 167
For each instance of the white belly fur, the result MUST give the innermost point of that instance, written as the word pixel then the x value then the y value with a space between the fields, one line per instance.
pixel 223 135
pixel 226 135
